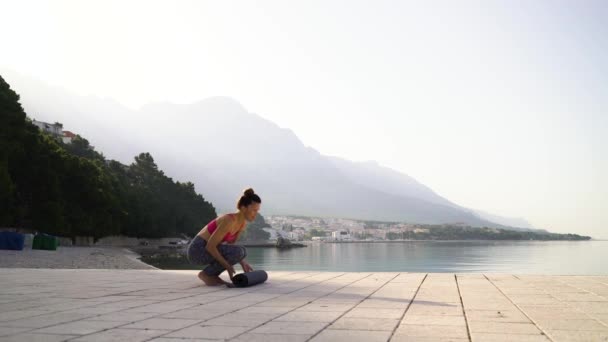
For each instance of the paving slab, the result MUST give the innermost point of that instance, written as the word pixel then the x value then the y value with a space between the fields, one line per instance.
pixel 249 337
pixel 351 323
pixel 375 313
pixel 164 305
pixel 162 323
pixel 399 338
pixel 434 320
pixel 37 338
pixel 208 331
pixel 494 337
pixel 512 315
pixel 299 328
pixel 572 324
pixel 330 335
pixel 309 316
pixel 120 335
pixel 8 331
pixel 439 331
pixel 528 328
pixel 571 335
pixel 238 319
pixel 81 327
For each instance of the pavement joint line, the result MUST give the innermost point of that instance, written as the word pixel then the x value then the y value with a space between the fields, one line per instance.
pixel 603 282
pixel 214 301
pixel 349 310
pixel 253 304
pixel 294 309
pixel 466 321
pixel 408 307
pixel 582 289
pixel 573 307
pixel 22 300
pixel 520 309
pixel 569 293
pixel 84 306
pixel 325 295
pixel 220 299
pixel 89 318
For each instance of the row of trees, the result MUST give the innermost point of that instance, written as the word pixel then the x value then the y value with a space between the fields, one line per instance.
pixel 472 233
pixel 71 190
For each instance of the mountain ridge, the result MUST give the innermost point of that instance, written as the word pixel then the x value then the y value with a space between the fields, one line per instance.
pixel 224 148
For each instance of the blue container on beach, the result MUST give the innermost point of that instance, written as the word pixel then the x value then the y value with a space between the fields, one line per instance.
pixel 11 240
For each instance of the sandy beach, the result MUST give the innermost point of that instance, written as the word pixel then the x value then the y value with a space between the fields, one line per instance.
pixel 73 257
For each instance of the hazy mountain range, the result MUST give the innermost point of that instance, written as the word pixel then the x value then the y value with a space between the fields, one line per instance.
pixel 223 148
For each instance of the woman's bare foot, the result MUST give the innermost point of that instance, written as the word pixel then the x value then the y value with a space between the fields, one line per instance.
pixel 210 280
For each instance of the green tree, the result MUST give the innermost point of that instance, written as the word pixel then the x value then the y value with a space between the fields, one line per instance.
pixel 71 190
pixel 80 147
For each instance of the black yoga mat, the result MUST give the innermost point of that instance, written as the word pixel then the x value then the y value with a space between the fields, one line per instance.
pixel 249 278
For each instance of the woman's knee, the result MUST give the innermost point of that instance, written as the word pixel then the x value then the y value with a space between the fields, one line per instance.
pixel 233 253
pixel 240 253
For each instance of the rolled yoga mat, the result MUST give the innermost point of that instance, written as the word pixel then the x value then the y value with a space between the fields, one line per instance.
pixel 249 278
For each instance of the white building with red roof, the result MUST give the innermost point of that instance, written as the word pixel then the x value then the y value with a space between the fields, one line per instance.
pixel 67 137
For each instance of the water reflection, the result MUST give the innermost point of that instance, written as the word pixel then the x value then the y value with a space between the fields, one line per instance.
pixel 542 257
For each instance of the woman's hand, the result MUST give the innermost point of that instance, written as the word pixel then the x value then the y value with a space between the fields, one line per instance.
pixel 246 267
pixel 231 271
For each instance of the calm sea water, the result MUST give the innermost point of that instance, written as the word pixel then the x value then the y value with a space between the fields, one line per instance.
pixel 538 257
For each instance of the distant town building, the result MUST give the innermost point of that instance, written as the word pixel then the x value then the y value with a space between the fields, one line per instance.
pixel 421 230
pixel 378 234
pixel 340 235
pixel 55 129
pixel 297 227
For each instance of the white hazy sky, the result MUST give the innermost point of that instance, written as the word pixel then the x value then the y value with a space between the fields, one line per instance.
pixel 496 105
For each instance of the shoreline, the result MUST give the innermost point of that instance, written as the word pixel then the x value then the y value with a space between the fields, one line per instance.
pixel 74 257
pixel 443 240
pixel 123 257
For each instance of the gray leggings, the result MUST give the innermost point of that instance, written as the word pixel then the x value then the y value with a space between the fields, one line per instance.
pixel 198 255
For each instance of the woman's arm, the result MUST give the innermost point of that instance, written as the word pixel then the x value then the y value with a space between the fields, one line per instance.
pixel 244 264
pixel 223 226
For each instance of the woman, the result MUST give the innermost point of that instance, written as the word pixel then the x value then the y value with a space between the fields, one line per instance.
pixel 214 244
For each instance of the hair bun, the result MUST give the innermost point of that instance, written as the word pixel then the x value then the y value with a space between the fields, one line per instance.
pixel 248 192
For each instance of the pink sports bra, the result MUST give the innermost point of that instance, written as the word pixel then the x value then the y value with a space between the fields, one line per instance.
pixel 229 237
